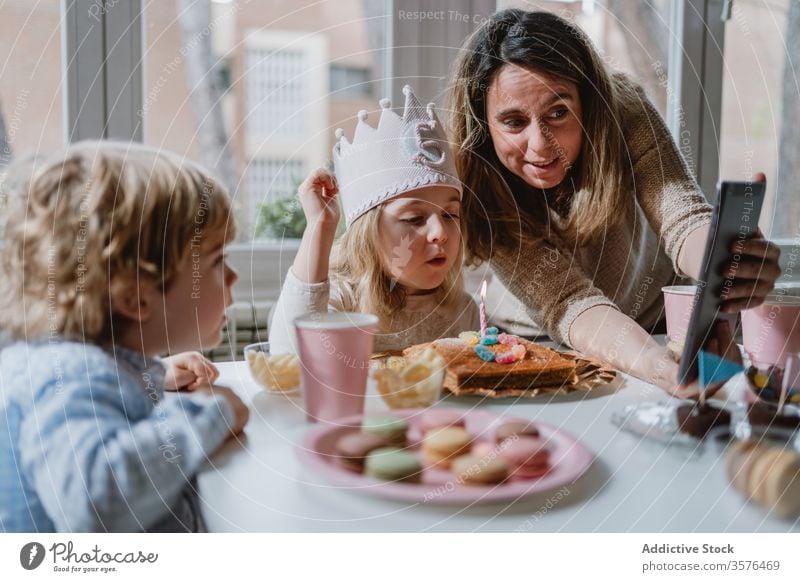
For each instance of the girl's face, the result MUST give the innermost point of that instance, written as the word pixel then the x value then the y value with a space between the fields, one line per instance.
pixel 535 124
pixel 194 305
pixel 420 237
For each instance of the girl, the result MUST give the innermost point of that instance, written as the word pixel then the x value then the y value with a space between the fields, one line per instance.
pixel 113 254
pixel 584 206
pixel 401 255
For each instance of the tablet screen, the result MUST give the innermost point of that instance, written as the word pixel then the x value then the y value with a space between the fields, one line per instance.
pixel 735 218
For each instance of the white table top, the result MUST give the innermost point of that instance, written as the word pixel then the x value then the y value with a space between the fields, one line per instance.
pixel 634 485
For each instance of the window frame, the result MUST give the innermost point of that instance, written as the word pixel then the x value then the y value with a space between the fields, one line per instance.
pixel 101 45
pixel 102 65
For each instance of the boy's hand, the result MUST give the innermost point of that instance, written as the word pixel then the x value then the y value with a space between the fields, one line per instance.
pixel 318 197
pixel 240 411
pixel 189 370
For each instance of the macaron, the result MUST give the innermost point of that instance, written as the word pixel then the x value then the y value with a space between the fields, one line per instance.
pixel 783 485
pixel 391 428
pixel 352 449
pixel 738 462
pixel 434 418
pixel 474 470
pixel 761 468
pixel 393 464
pixel 515 428
pixel 527 457
pixel 484 449
pixel 441 446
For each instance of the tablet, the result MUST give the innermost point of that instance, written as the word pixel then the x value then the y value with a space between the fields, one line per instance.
pixel 735 217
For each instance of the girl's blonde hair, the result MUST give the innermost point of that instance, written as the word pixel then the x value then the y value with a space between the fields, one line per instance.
pixel 101 209
pixel 592 196
pixel 357 259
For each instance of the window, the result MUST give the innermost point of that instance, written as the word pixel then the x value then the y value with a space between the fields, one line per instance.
pixel 31 120
pixel 632 37
pixel 276 91
pixel 247 89
pixel 275 178
pixel 350 82
pixel 761 107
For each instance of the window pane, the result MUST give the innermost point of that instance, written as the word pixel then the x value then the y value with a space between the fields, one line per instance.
pixel 761 108
pixel 30 67
pixel 255 90
pixel 632 36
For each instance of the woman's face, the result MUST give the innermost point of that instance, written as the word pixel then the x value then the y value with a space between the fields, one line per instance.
pixel 535 124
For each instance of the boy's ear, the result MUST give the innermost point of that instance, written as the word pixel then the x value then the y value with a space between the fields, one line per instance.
pixel 131 299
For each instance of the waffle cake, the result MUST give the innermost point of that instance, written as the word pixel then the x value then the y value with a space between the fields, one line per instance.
pixel 467 372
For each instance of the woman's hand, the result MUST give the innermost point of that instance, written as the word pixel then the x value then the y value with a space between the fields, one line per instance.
pixel 189 370
pixel 318 195
pixel 720 343
pixel 754 269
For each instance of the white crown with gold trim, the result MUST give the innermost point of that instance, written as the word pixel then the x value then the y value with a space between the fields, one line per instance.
pixel 401 154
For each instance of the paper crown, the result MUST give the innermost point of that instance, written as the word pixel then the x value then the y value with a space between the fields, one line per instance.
pixel 401 154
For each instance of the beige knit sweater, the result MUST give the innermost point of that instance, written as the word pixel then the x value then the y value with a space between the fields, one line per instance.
pixel 626 270
pixel 421 320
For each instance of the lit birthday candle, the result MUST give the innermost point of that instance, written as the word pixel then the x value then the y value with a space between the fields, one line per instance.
pixel 483 308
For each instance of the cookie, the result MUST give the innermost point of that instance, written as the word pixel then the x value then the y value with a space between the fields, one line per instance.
pixel 515 428
pixel 441 446
pixel 352 449
pixel 391 428
pixel 760 468
pixel 434 418
pixel 527 457
pixel 762 414
pixel 782 485
pixel 738 464
pixel 474 470
pixel 393 464
pixel 697 420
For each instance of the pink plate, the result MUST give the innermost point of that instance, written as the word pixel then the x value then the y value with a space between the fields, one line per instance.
pixel 569 460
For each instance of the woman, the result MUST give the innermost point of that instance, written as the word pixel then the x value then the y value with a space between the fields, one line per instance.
pixel 577 195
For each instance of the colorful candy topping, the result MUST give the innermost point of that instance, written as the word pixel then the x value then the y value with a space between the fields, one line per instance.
pixel 484 353
pixel 505 358
pixel 768 383
pixel 508 339
pixel 479 345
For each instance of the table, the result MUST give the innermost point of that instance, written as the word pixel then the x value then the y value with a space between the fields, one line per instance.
pixel 635 485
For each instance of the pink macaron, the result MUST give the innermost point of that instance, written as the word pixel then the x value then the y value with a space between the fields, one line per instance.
pixel 527 457
pixel 434 418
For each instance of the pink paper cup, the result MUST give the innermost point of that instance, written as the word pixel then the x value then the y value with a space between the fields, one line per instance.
pixel 771 331
pixel 678 303
pixel 334 350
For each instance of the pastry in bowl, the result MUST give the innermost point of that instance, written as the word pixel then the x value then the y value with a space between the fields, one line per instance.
pixel 413 382
pixel 275 372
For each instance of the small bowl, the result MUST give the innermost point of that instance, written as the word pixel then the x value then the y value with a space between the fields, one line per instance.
pixel 276 373
pixel 399 388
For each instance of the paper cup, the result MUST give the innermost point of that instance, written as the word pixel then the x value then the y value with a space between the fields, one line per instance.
pixel 771 331
pixel 334 350
pixel 678 303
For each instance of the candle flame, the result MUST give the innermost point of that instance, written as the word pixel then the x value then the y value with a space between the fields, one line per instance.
pixel 483 290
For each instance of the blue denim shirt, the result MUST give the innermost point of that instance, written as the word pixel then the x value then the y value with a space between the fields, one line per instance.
pixel 90 442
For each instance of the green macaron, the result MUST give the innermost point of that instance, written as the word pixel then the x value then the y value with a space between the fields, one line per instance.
pixel 391 428
pixel 391 464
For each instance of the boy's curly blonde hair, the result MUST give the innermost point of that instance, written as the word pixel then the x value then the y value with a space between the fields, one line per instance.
pixel 99 210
